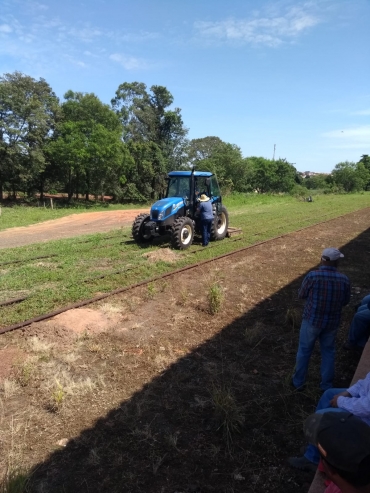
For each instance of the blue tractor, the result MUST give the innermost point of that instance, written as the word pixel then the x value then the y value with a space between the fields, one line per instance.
pixel 176 214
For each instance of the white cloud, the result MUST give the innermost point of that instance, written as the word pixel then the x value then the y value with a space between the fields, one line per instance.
pixel 5 28
pixel 129 62
pixel 270 28
pixel 349 138
pixel 362 113
pixel 86 34
pixel 38 6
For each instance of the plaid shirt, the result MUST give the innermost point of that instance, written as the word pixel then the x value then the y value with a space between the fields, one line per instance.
pixel 325 290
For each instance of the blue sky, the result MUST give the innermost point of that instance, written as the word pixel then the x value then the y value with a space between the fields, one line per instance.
pixel 294 74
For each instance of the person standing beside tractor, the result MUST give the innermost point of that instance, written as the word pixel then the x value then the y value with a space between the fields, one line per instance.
pixel 205 211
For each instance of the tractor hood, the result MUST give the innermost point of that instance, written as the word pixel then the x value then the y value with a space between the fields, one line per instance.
pixel 166 207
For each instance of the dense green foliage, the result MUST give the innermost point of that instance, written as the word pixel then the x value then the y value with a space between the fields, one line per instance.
pixel 82 146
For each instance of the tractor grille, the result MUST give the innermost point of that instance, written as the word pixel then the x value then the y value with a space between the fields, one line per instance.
pixel 154 215
pixel 168 211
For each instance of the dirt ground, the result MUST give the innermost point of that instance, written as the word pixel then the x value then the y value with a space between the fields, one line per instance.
pixel 179 386
pixel 68 227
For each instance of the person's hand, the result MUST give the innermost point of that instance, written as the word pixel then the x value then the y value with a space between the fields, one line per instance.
pixel 334 401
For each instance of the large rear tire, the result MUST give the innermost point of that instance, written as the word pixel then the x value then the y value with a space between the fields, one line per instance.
pixel 220 225
pixel 182 233
pixel 138 228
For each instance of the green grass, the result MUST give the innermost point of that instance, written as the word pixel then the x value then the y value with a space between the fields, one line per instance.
pixel 54 282
pixel 23 215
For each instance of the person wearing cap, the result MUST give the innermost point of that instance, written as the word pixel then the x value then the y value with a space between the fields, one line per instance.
pixel 359 330
pixel 354 400
pixel 205 211
pixel 343 441
pixel 326 291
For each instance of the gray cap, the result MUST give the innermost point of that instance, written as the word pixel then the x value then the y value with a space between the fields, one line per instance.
pixel 331 254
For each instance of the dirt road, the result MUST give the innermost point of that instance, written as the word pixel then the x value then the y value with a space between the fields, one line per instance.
pixel 67 227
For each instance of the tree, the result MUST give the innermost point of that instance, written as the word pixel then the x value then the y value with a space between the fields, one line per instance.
pixel 365 161
pixel 350 177
pixel 88 146
pixel 223 159
pixel 145 175
pixel 146 117
pixel 29 111
pixel 316 182
pixel 200 149
pixel 285 176
pixel 272 176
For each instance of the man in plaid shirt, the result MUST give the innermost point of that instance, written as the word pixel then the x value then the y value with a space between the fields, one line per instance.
pixel 326 291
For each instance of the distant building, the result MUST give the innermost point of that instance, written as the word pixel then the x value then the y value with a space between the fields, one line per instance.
pixel 307 174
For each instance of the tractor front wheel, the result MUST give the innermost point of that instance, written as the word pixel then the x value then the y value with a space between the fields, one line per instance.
pixel 138 227
pixel 220 225
pixel 182 234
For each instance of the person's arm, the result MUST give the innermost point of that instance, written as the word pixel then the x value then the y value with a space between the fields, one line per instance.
pixel 305 288
pixel 356 389
pixel 347 294
pixel 359 406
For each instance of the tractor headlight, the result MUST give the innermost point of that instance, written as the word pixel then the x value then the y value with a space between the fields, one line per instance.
pixel 161 215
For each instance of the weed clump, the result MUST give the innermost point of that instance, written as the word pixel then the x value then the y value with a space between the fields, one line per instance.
pixel 25 373
pixel 57 397
pixel 293 318
pixel 228 413
pixel 16 480
pixel 215 298
pixel 254 334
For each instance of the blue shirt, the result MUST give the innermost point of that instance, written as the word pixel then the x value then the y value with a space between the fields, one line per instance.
pixel 326 291
pixel 205 210
pixel 359 403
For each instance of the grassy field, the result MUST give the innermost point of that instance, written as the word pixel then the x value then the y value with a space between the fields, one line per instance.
pixel 71 269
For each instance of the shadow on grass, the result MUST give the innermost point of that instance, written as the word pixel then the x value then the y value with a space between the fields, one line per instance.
pixel 221 419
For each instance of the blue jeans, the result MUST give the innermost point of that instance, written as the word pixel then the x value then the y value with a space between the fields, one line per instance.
pixel 307 338
pixel 206 230
pixel 312 453
pixel 359 330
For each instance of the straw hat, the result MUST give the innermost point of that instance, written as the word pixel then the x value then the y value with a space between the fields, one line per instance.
pixel 203 198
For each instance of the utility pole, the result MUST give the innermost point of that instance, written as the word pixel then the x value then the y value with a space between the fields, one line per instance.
pixel 273 157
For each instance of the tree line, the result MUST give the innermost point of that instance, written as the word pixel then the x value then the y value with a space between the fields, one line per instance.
pixel 82 146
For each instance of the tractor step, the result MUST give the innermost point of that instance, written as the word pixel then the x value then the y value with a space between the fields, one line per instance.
pixel 233 232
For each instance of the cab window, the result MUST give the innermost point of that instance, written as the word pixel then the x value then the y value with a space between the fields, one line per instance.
pixel 178 186
pixel 214 187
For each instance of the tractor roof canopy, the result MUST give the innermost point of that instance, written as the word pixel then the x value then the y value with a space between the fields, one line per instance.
pixel 172 174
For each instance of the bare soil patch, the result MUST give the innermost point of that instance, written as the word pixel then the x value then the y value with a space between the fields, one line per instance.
pixel 86 320
pixel 68 227
pixel 170 398
pixel 163 254
pixel 8 358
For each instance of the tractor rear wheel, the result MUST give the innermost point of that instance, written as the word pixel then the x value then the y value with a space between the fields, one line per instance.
pixel 220 225
pixel 138 228
pixel 182 233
